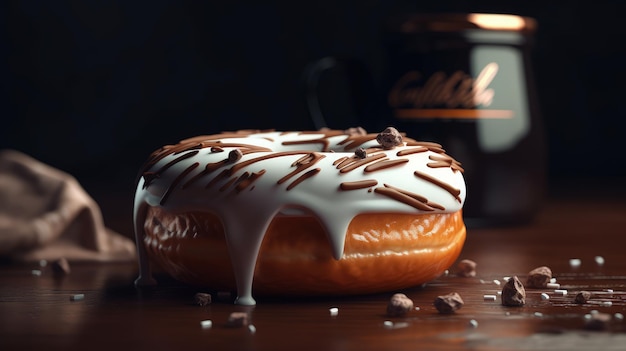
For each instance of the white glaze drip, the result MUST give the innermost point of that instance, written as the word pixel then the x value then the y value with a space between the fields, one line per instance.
pixel 246 214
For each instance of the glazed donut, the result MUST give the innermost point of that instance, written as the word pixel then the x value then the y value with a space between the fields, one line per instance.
pixel 300 213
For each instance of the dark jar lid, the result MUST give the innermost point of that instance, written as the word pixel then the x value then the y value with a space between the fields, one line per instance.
pixel 459 22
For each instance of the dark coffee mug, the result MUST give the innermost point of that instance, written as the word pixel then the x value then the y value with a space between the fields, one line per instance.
pixel 464 81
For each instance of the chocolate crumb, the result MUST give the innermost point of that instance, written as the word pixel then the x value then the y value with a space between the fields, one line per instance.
pixel 356 131
pixel 234 155
pixel 61 267
pixel 399 305
pixel 539 277
pixel 202 299
pixel 448 303
pixel 466 268
pixel 513 293
pixel 582 297
pixel 389 138
pixel 360 153
pixel 238 319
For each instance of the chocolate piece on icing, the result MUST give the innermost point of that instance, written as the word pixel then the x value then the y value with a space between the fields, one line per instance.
pixel 360 153
pixel 235 155
pixel 389 138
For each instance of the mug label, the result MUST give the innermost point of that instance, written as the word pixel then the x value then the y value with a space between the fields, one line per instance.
pixel 457 96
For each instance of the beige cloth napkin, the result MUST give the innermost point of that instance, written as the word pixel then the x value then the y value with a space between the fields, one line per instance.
pixel 45 215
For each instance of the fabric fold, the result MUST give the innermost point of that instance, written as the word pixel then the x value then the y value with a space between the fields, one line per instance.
pixel 45 214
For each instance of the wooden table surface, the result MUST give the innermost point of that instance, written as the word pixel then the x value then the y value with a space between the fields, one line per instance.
pixel 37 311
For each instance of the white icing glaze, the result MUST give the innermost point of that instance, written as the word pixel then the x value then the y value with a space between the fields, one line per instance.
pixel 246 212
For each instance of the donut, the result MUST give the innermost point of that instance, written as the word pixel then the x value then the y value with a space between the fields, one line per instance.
pixel 328 212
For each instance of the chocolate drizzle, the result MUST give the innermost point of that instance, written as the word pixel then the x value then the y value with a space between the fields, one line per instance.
pixel 427 144
pixel 444 161
pixel 304 176
pixel 303 163
pixel 341 162
pixel 385 163
pixel 449 188
pixel 209 168
pixel 374 161
pixel 245 183
pixel 194 144
pixel 345 164
pixel 402 196
pixel 415 150
pixel 354 162
pixel 356 140
pixel 150 176
pixel 417 197
pixel 230 182
pixel 167 150
pixel 359 184
pixel 225 173
pixel 177 180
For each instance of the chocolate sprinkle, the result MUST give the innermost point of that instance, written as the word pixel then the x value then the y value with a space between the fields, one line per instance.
pixel 359 184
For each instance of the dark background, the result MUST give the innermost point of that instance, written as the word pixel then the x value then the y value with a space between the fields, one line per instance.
pixel 92 87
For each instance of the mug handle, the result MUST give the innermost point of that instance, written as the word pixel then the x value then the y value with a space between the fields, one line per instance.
pixel 353 75
pixel 312 76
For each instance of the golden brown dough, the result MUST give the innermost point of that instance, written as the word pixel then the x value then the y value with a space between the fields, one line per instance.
pixel 382 252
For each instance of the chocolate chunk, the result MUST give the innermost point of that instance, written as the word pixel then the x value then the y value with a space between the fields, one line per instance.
pixel 234 155
pixel 466 268
pixel 448 303
pixel 202 299
pixel 389 138
pixel 539 277
pixel 399 305
pixel 360 153
pixel 582 297
pixel 513 293
pixel 238 319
